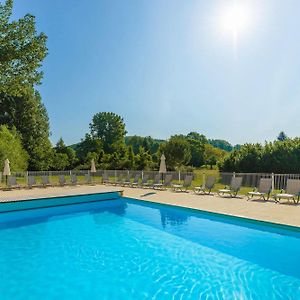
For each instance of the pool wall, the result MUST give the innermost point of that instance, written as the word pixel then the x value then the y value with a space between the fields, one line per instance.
pixel 57 201
pixel 225 217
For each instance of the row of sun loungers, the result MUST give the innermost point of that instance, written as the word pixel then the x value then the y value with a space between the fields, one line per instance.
pixel 292 192
pixel 145 182
pixel 264 190
pixel 45 181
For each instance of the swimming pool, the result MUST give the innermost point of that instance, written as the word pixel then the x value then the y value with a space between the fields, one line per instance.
pixel 128 249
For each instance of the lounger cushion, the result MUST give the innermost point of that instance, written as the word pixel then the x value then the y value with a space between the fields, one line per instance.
pixel 177 185
pixel 256 193
pixel 199 188
pixel 284 196
pixel 225 191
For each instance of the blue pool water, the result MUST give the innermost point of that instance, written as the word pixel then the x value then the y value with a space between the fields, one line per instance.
pixel 125 249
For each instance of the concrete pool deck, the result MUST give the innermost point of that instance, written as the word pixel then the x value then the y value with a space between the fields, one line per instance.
pixel 288 214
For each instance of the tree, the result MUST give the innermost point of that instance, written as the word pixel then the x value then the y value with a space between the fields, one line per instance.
pixel 177 151
pixel 197 147
pixel 28 115
pixel 60 161
pixel 213 155
pixel 11 148
pixel 62 148
pixel 88 144
pixel 129 162
pixel 109 128
pixel 148 143
pixel 22 51
pixel 277 157
pixel 143 159
pixel 282 136
pixel 197 136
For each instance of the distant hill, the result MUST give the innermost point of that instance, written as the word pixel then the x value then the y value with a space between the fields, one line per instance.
pixel 221 144
pixel 135 141
pixel 74 146
pixel 129 137
pixel 147 142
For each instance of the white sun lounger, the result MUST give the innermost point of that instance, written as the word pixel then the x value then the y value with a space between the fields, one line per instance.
pixel 292 191
pixel 263 191
pixel 233 189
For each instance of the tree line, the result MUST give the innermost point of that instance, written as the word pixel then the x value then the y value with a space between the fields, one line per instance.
pixel 109 146
pixel 280 156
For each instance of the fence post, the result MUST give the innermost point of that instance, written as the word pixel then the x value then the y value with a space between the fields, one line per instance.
pixel 142 174
pixel 203 180
pixel 115 175
pixel 272 182
pixel 179 175
pixel 233 174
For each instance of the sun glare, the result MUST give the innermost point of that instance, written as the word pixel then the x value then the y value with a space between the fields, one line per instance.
pixel 235 20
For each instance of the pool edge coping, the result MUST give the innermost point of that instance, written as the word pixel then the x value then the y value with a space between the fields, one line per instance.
pixel 53 197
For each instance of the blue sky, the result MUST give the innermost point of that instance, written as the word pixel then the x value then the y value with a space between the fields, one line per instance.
pixel 172 66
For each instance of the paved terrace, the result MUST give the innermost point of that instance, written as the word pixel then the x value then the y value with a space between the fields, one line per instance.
pixel 265 211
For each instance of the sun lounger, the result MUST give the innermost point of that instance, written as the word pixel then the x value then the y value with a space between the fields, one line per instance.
pixel 105 179
pixel 113 181
pixel 183 187
pixel 156 181
pixel 149 184
pixel 292 191
pixel 12 182
pixel 136 180
pixel 62 180
pixel 208 186
pixel 263 191
pixel 46 181
pixel 120 180
pixel 31 182
pixel 167 182
pixel 145 182
pixel 235 185
pixel 88 179
pixel 127 181
pixel 74 180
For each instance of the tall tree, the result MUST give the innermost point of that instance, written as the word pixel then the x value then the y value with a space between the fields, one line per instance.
pixel 109 128
pixel 197 147
pixel 29 116
pixel 88 144
pixel 177 151
pixel 143 159
pixel 213 155
pixel 63 149
pixel 22 51
pixel 11 148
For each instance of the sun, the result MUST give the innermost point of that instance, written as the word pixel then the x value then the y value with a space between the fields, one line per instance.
pixel 235 19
